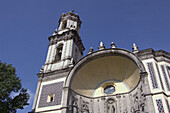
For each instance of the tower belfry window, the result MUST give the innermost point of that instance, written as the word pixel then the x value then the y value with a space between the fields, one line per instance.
pixel 64 24
pixel 76 55
pixel 58 53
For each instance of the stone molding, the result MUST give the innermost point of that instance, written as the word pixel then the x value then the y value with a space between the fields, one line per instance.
pixel 70 16
pixel 102 53
pixel 159 55
pixel 67 35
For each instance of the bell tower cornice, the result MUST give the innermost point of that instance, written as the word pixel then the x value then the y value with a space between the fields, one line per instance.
pixel 70 15
pixel 67 35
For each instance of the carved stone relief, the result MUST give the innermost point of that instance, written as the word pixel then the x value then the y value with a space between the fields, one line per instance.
pixel 75 106
pixel 134 102
pixel 110 106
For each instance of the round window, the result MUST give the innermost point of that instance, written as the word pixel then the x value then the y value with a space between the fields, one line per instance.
pixel 109 89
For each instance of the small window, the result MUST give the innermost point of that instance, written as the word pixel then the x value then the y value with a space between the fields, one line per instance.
pixel 58 53
pixel 110 89
pixel 50 98
pixel 64 24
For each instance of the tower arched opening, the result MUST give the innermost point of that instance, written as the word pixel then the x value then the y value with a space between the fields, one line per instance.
pixel 58 53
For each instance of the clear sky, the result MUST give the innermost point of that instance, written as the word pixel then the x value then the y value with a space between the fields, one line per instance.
pixel 25 26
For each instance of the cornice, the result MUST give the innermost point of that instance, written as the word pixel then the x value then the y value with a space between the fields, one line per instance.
pixel 159 55
pixel 67 35
pixel 70 16
pixel 50 73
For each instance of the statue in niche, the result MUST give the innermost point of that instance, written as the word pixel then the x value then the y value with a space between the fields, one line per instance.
pixel 85 108
pixel 110 106
pixel 136 102
pixel 85 111
pixel 74 106
pixel 142 107
pixel 136 107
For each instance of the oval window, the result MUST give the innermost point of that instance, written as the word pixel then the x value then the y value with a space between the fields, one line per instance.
pixel 109 89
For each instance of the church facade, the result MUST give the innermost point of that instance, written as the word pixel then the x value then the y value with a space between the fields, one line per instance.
pixel 109 80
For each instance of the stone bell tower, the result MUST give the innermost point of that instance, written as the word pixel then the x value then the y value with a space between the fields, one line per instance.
pixel 65 49
pixel 65 46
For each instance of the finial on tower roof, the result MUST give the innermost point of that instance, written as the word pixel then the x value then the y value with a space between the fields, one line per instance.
pixel 113 45
pixel 72 11
pixel 90 50
pixel 135 48
pixel 55 32
pixel 42 69
pixel 101 46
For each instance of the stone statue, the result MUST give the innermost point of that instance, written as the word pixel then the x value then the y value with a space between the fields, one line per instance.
pixel 110 106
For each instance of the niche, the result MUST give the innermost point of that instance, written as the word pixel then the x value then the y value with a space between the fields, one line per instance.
pixel 58 53
pixel 64 24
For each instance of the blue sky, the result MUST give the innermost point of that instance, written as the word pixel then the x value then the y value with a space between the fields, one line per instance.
pixel 25 26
